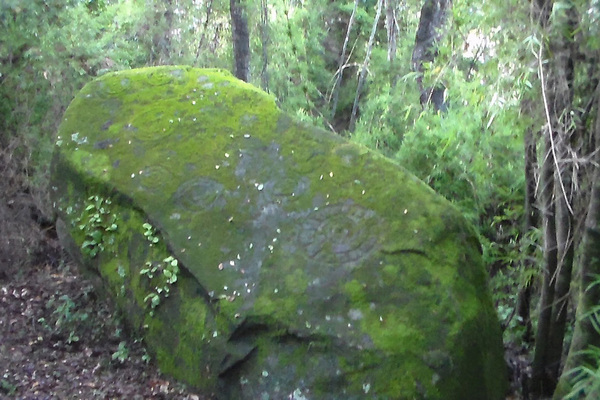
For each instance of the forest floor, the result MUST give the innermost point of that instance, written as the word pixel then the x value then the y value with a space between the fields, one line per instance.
pixel 58 340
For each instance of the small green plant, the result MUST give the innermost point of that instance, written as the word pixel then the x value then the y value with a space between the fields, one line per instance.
pixel 96 221
pixel 6 387
pixel 150 233
pixel 162 276
pixel 67 318
pixel 122 353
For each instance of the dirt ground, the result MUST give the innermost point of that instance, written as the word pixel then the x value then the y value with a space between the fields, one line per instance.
pixel 59 341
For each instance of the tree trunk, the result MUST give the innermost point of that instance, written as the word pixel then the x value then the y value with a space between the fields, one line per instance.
pixel 586 334
pixel 531 222
pixel 557 85
pixel 363 70
pixel 209 10
pixel 391 27
pixel 241 39
pixel 341 64
pixel 264 39
pixel 434 14
pixel 542 382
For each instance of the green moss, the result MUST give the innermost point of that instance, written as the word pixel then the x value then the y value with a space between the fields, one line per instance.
pixel 328 263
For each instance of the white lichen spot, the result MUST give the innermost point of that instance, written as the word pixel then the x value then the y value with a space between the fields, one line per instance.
pixel 321 178
pixel 237 315
pixel 194 119
pixel 238 257
pixel 331 174
pixel 170 121
pixel 246 135
pixel 366 387
pixel 274 240
pixel 260 187
pixel 416 231
pixel 278 230
pixel 225 287
pixel 251 245
pixel 175 216
pixel 248 290
pixel 183 250
pixel 220 267
pixel 297 395
pixel 226 155
pixel 308 325
pixel 363 192
pixel 232 263
pixel 189 238
pixel 140 172
pixel 215 334
pixel 275 290
pixel 133 175
pixel 217 166
pixel 405 211
pixel 129 142
pixel 265 374
pixel 193 102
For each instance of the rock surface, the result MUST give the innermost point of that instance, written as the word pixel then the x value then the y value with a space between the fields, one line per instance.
pixel 263 259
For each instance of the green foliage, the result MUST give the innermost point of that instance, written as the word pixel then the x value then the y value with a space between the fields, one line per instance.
pixel 7 387
pixel 97 222
pixel 150 234
pixel 122 353
pixel 66 318
pixel 162 276
pixel 585 379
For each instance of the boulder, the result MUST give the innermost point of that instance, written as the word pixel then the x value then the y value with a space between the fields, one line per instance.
pixel 260 258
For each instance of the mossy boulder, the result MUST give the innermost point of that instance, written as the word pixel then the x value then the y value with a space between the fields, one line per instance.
pixel 260 258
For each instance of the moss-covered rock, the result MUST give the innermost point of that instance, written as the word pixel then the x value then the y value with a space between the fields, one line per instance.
pixel 263 259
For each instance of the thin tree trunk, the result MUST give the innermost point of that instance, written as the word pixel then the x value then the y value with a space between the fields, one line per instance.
pixel 542 385
pixel 241 39
pixel 434 14
pixel 363 70
pixel 264 39
pixel 531 222
pixel 391 26
pixel 342 62
pixel 209 10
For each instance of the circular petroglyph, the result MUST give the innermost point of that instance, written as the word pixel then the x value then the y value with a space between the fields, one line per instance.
pixel 201 194
pixel 340 234
pixel 156 125
pixel 111 87
pixel 154 179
